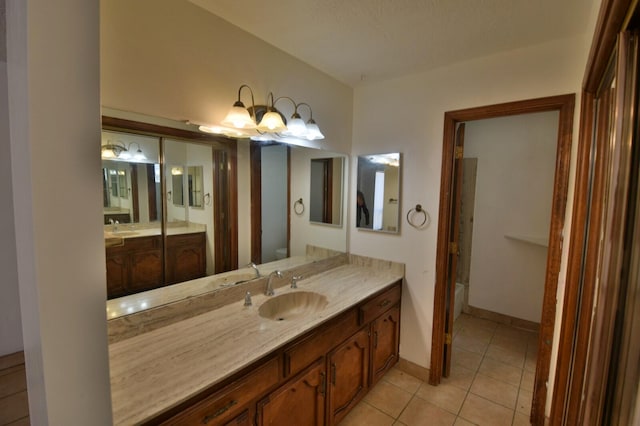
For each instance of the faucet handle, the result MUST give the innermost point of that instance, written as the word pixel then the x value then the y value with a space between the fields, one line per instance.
pixel 247 299
pixel 294 281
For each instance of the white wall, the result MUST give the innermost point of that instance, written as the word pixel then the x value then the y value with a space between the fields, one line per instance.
pixel 10 324
pixel 54 113
pixel 173 59
pixel 514 191
pixel 422 99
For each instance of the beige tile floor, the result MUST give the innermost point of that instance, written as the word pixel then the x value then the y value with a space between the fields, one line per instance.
pixel 491 383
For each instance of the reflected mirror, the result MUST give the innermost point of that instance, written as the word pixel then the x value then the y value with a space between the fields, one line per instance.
pixel 378 192
pixel 325 194
pixel 194 183
pixel 175 191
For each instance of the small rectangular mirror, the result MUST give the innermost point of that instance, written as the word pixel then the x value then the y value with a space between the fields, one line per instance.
pixel 177 173
pixel 378 192
pixel 325 196
pixel 194 182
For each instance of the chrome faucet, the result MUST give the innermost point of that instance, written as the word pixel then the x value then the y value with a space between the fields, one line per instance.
pixel 255 267
pixel 269 290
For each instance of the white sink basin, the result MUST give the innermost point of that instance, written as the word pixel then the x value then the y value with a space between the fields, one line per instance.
pixel 292 305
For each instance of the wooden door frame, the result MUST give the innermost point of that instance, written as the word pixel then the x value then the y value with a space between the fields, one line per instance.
pixel 564 104
pixel 566 406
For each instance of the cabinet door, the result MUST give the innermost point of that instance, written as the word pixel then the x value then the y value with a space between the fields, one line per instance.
pixel 186 257
pixel 146 270
pixel 385 337
pixel 348 375
pixel 117 275
pixel 300 402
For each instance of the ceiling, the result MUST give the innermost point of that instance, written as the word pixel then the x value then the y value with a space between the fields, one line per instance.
pixel 358 41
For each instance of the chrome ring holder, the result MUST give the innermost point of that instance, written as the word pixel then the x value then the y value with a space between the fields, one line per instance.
pixel 417 210
pixel 298 207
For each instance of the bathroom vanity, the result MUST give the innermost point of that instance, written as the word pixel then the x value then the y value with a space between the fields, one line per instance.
pixel 135 263
pixel 241 365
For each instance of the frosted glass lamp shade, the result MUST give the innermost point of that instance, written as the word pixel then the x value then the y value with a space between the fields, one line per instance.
pixel 125 155
pixel 313 131
pixel 296 127
pixel 139 156
pixel 239 117
pixel 272 123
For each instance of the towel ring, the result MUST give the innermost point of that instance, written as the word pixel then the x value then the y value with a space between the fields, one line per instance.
pixel 418 209
pixel 298 207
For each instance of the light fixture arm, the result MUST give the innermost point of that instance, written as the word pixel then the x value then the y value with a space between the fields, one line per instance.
pixel 253 104
pixel 295 105
pixel 311 120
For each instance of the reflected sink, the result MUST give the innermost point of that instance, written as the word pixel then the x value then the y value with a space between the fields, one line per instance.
pixel 292 305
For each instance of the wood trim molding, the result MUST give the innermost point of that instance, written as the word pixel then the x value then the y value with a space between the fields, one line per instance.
pixel 564 104
pixel 582 262
pixel 256 202
pixel 610 22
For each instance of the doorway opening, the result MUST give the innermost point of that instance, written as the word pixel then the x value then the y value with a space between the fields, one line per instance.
pixel 448 234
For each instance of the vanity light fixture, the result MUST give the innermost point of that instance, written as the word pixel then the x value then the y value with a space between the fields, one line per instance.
pixel 260 122
pixel 112 151
pixel 118 151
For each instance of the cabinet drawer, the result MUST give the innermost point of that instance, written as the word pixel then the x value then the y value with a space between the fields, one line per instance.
pixel 318 344
pixel 186 239
pixel 135 244
pixel 232 399
pixel 376 306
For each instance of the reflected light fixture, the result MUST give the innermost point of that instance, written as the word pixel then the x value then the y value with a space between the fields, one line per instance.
pixel 260 122
pixel 118 151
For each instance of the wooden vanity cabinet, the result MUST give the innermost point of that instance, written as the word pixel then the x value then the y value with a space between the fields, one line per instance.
pixel 233 404
pixel 301 401
pixel 348 375
pixel 134 266
pixel 316 379
pixel 186 257
pixel 385 343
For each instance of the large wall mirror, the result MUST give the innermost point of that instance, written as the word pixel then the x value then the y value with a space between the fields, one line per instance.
pixel 187 210
pixel 378 192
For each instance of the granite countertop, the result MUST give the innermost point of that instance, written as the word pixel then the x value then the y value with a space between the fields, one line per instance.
pixel 155 371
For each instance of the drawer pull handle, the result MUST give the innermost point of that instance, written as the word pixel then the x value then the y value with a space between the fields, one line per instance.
pixel 333 374
pixel 323 383
pixel 385 302
pixel 220 412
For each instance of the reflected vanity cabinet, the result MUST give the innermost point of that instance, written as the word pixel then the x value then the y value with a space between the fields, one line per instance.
pixel 315 380
pixel 186 257
pixel 136 264
pixel 133 266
